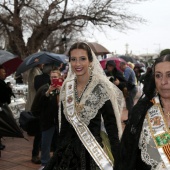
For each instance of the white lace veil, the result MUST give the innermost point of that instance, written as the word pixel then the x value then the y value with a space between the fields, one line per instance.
pixel 115 95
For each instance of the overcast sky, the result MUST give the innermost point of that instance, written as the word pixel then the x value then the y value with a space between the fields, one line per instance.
pixel 146 38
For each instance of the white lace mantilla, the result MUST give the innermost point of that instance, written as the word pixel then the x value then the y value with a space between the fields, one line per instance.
pixel 97 93
pixel 93 99
pixel 149 152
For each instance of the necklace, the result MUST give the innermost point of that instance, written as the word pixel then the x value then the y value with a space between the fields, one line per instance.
pixel 166 113
pixel 76 92
pixel 79 106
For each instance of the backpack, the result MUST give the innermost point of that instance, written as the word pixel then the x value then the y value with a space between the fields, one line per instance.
pixel 29 123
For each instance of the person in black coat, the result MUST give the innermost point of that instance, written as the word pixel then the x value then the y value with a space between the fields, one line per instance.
pixel 115 75
pixel 140 147
pixel 129 151
pixel 39 81
pixel 5 90
pixel 5 94
pixel 45 106
pixel 130 158
pixel 44 78
pixel 88 100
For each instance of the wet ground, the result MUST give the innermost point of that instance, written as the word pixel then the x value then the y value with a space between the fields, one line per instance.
pixel 17 154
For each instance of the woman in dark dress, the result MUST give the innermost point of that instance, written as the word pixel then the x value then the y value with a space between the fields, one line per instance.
pixel 145 143
pixel 89 102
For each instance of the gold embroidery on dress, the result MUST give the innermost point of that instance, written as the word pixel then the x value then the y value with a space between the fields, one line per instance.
pixel 79 107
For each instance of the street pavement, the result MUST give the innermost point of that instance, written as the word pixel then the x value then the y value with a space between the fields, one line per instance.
pixel 17 154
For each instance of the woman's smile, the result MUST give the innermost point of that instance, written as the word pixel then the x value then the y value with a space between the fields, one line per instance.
pixel 79 69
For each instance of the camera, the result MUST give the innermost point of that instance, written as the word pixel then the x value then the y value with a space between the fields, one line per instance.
pixel 112 79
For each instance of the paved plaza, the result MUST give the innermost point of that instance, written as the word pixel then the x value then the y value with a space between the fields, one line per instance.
pixel 17 154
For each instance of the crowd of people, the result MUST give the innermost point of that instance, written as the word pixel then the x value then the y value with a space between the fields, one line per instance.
pixel 80 118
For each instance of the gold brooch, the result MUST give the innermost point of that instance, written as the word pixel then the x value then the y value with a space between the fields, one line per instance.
pixel 79 107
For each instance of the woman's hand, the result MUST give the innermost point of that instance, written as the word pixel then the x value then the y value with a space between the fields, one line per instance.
pixel 116 82
pixel 51 88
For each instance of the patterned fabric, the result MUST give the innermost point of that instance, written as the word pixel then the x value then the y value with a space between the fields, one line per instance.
pixel 149 152
pixel 92 102
pixel 101 99
pixel 111 90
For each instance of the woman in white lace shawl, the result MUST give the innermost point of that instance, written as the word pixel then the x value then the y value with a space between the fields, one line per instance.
pixel 89 102
pixel 145 144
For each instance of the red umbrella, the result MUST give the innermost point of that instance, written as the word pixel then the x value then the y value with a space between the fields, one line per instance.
pixel 117 61
pixel 11 65
pixel 9 61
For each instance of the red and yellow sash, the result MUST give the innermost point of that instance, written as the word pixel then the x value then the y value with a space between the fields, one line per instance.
pixel 160 131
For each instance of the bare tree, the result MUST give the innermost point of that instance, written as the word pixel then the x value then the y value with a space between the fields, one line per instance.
pixel 28 24
pixel 58 40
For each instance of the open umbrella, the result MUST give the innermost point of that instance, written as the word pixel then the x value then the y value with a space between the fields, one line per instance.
pixel 8 125
pixel 98 49
pixel 128 59
pixel 42 57
pixel 9 61
pixel 117 61
pixel 139 65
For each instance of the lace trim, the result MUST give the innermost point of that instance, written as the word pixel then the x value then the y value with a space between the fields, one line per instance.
pixel 113 93
pixel 147 146
pixel 93 103
pixel 97 93
pixel 93 99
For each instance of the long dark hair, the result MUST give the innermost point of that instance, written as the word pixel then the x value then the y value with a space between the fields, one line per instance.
pixel 149 81
pixel 83 46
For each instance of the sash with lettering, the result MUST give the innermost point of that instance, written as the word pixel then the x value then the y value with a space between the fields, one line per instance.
pixel 160 131
pixel 88 140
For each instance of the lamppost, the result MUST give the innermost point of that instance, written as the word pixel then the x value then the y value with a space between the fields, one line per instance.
pixel 159 47
pixel 127 46
pixel 146 56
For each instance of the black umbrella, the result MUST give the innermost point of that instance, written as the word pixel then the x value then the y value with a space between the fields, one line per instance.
pixel 42 57
pixel 139 65
pixel 129 59
pixel 8 125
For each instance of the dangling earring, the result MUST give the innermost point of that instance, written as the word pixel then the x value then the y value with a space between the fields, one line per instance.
pixel 156 92
pixel 90 69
